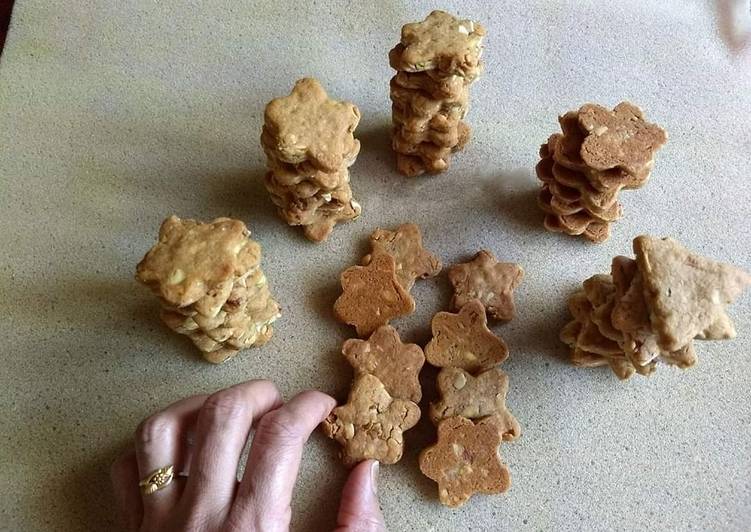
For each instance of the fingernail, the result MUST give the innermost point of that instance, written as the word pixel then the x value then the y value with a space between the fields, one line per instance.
pixel 374 476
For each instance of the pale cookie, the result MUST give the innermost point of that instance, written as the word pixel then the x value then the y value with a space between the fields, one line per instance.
pixel 371 424
pixel 372 296
pixel 488 280
pixel 464 341
pixel 465 460
pixel 193 259
pixel 450 87
pixel 309 126
pixel 686 293
pixel 481 397
pixel 413 261
pixel 619 138
pixel 397 365
pixel 440 42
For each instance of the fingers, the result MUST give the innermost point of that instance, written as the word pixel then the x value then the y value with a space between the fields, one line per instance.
pixel 222 429
pixel 359 510
pixel 124 474
pixel 160 441
pixel 264 496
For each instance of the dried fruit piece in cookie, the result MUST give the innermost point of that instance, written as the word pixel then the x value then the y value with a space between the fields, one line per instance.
pixel 193 259
pixel 371 424
pixel 405 245
pixel 686 293
pixel 397 365
pixel 481 397
pixel 307 125
pixel 464 341
pixel 372 296
pixel 465 460
pixel 488 280
pixel 619 138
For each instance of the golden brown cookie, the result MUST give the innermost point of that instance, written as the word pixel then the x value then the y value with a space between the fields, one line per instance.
pixel 307 125
pixel 481 397
pixel 440 42
pixel 194 258
pixel 465 460
pixel 397 365
pixel 405 245
pixel 686 293
pixel 372 423
pixel 372 296
pixel 464 341
pixel 488 280
pixel 620 138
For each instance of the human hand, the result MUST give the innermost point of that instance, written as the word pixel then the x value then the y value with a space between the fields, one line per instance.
pixel 208 497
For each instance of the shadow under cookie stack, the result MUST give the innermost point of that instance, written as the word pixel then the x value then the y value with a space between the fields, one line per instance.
pixel 436 62
pixel 600 153
pixel 209 280
pixel 309 142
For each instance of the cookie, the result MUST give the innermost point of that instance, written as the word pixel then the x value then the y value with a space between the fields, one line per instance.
pixel 686 293
pixel 440 42
pixel 309 126
pixel 477 398
pixel 413 261
pixel 465 460
pixel 488 280
pixel 371 424
pixel 397 365
pixel 464 341
pixel 620 138
pixel 372 296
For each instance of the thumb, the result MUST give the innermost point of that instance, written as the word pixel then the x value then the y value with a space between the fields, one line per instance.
pixel 359 510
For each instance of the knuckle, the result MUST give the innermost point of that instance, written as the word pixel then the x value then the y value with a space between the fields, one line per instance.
pixel 153 428
pixel 227 404
pixel 278 426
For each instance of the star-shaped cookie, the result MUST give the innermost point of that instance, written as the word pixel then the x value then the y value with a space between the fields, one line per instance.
pixel 481 397
pixel 397 365
pixel 464 341
pixel 488 280
pixel 372 296
pixel 309 126
pixel 465 461
pixel 372 423
pixel 620 138
pixel 405 245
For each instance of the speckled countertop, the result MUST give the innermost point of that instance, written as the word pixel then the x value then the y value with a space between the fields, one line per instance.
pixel 115 114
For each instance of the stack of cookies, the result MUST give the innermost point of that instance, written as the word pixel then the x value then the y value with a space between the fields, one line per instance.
pixel 471 414
pixel 436 61
pixel 309 142
pixel 599 153
pixel 651 309
pixel 209 280
pixel 383 400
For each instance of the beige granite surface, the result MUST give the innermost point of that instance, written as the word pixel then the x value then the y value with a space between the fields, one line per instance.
pixel 115 114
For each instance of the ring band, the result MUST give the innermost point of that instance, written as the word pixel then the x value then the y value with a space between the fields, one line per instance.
pixel 157 480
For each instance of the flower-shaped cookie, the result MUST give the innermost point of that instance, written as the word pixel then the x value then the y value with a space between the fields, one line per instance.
pixel 481 397
pixel 441 42
pixel 371 424
pixel 372 295
pixel 620 138
pixel 464 341
pixel 465 461
pixel 309 126
pixel 405 245
pixel 193 259
pixel 488 280
pixel 397 365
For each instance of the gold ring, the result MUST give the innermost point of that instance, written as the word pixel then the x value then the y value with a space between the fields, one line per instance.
pixel 157 479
